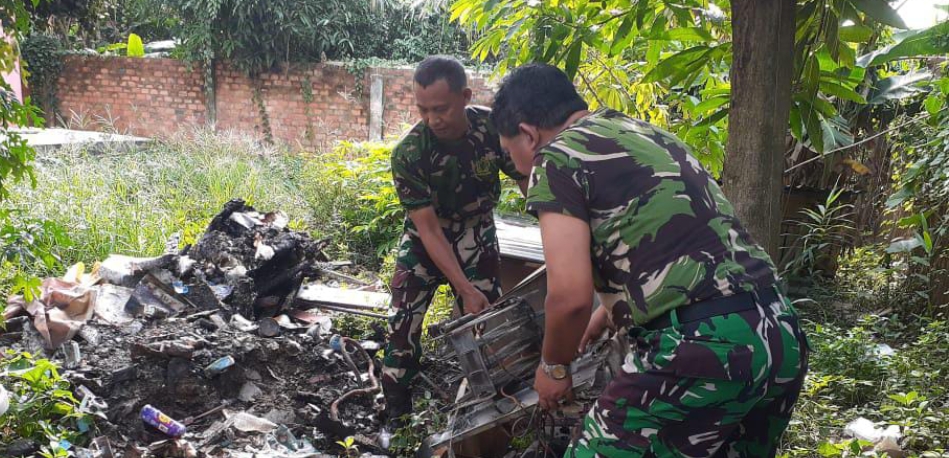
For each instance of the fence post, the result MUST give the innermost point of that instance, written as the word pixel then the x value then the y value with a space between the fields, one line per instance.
pixel 376 106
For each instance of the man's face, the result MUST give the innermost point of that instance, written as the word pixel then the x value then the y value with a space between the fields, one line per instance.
pixel 521 148
pixel 442 110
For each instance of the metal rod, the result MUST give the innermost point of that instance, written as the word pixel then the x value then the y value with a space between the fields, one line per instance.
pixel 354 312
pixel 342 276
pixel 308 302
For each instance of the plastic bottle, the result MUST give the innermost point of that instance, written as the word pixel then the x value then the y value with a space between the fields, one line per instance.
pixel 162 422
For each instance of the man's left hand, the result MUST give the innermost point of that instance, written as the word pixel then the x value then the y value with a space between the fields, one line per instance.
pixel 550 392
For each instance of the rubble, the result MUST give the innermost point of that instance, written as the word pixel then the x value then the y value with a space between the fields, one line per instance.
pixel 229 347
pixel 210 342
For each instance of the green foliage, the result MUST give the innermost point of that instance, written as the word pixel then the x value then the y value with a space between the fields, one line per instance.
pixel 928 42
pixel 350 449
pixel 257 36
pixel 654 60
pixel 849 377
pixel 28 246
pixel 417 35
pixel 135 48
pixel 826 231
pixel 424 419
pixel 150 19
pixel 15 153
pixel 42 408
pixel 922 193
pixel 848 362
pixel 668 63
pixel 374 220
pixel 42 54
pixel 512 202
pixel 132 202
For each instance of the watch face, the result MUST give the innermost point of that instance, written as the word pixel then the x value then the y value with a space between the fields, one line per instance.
pixel 558 372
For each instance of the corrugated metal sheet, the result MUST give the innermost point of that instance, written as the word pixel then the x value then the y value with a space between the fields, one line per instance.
pixel 519 238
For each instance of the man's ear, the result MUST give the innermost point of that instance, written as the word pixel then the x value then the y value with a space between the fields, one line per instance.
pixel 531 134
pixel 466 93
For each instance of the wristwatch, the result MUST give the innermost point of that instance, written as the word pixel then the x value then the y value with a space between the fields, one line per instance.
pixel 555 371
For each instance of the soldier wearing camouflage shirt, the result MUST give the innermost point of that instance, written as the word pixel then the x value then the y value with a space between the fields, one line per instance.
pixel 716 357
pixel 446 175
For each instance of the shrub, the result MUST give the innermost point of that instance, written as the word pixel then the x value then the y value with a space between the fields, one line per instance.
pixel 42 408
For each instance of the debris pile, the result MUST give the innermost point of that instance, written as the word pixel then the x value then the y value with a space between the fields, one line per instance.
pixel 208 350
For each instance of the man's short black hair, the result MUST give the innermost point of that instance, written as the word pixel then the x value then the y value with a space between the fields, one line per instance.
pixel 537 94
pixel 435 68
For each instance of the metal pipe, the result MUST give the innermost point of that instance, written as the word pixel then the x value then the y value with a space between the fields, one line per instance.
pixel 354 312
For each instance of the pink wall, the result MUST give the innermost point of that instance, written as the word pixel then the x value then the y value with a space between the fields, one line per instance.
pixel 13 78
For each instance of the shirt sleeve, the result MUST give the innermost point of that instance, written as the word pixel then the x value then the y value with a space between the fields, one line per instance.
pixel 557 186
pixel 408 173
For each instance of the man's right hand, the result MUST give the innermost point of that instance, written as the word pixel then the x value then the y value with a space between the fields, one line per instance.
pixel 474 301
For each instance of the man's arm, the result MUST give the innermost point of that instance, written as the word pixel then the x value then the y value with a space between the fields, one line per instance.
pixel 569 301
pixel 523 185
pixel 441 253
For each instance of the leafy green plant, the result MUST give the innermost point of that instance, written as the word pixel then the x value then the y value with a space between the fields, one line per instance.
pixel 850 377
pixel 42 408
pixel 850 360
pixel 16 155
pixel 922 193
pixel 135 48
pixel 42 54
pixel 826 231
pixel 425 417
pixel 258 36
pixel 375 221
pixel 847 448
pixel 350 449
pixel 28 246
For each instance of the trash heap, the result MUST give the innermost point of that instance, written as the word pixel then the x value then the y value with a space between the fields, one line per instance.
pixel 207 350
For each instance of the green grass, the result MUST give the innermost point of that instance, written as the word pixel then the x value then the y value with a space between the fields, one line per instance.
pixel 132 202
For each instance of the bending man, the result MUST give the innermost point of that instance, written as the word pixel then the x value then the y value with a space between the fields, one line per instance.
pixel 716 358
pixel 446 174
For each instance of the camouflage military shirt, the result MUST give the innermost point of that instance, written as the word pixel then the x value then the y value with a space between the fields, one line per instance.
pixel 663 234
pixel 458 178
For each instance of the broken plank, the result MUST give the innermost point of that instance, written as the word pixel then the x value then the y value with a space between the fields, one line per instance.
pixel 317 294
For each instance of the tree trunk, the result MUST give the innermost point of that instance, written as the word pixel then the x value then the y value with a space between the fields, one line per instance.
pixel 763 40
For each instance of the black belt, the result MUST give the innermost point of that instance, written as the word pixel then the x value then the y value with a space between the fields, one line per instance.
pixel 715 307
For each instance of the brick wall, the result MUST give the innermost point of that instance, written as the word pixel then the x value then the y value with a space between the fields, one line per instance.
pixel 141 96
pixel 308 106
pixel 399 101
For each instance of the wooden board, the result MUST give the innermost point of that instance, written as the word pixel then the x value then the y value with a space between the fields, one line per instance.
pixel 316 294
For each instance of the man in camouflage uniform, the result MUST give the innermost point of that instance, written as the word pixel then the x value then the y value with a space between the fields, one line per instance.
pixel 716 358
pixel 446 174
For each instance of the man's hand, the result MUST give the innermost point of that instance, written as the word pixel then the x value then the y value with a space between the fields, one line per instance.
pixel 474 301
pixel 442 254
pixel 550 391
pixel 598 322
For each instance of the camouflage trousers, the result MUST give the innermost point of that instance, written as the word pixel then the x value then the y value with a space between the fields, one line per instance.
pixel 416 280
pixel 719 387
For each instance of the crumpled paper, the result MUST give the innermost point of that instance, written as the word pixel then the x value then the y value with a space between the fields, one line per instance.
pixel 59 312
